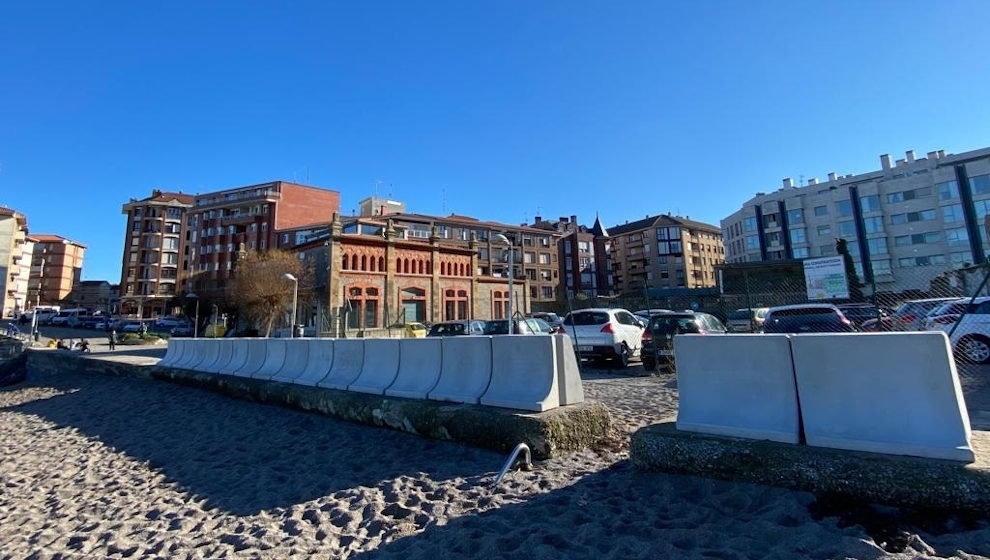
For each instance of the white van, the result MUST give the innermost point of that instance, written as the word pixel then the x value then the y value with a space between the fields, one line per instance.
pixel 67 317
pixel 44 313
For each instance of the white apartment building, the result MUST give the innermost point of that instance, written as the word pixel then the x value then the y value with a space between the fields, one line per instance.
pixel 910 220
pixel 16 249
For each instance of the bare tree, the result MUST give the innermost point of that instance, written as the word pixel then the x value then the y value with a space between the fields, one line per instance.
pixel 261 291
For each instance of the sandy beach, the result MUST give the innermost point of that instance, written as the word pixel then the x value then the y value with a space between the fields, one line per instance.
pixel 105 467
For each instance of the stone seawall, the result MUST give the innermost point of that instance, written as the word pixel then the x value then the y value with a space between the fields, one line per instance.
pixel 548 434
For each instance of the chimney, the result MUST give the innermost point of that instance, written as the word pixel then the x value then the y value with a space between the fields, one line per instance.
pixel 813 181
pixel 563 219
pixel 885 161
pixel 909 155
pixel 788 183
pixel 831 176
pixel 538 219
pixel 941 154
pixel 932 155
pixel 573 219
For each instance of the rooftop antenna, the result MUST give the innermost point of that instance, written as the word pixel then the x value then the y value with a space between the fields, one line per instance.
pixel 390 190
pixel 377 182
pixel 801 180
pixel 443 202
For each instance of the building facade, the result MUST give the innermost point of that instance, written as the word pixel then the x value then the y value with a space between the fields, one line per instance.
pixel 584 256
pixel 157 252
pixel 909 221
pixel 95 295
pixel 16 249
pixel 56 267
pixel 664 251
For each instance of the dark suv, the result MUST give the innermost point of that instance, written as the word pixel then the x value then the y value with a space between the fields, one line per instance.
pixel 807 318
pixel 658 338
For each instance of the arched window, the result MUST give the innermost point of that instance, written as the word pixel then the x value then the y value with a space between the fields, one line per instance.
pixel 364 262
pixel 371 264
pixel 381 264
pixel 405 266
pixel 500 304
pixel 364 305
pixel 354 262
pixel 455 305
pixel 343 264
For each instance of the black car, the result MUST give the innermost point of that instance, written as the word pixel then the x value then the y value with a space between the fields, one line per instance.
pixel 809 318
pixel 658 338
pixel 458 328
pixel 859 313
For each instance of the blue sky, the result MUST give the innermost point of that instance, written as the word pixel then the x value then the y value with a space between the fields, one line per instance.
pixel 500 110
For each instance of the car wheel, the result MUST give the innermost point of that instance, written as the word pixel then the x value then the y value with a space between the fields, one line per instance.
pixel 623 358
pixel 974 348
pixel 649 365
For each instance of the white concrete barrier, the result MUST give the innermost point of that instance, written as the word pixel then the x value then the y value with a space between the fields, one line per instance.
pixel 419 368
pixel 192 354
pixel 524 373
pixel 380 366
pixel 208 353
pixel 225 355
pixel 274 358
pixel 239 356
pixel 895 393
pixel 466 369
pixel 176 347
pixel 348 358
pixel 256 354
pixel 568 371
pixel 739 385
pixel 296 357
pixel 318 362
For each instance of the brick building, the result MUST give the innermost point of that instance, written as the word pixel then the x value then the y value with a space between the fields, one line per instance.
pixel 55 268
pixel 584 256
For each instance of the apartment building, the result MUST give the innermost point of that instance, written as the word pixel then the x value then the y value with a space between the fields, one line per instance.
pixel 56 267
pixel 16 250
pixel 535 256
pixel 664 251
pixel 908 221
pixel 157 252
pixel 584 256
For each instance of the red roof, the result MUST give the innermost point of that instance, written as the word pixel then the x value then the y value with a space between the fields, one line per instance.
pixel 52 238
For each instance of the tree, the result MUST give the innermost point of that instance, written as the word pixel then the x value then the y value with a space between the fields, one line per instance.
pixel 260 289
pixel 852 279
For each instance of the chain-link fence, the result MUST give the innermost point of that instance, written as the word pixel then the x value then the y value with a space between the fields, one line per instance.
pixel 789 298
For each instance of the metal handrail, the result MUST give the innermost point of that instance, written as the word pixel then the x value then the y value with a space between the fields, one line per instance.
pixel 527 464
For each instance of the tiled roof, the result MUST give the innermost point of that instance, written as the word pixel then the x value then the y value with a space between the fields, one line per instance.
pixel 52 238
pixel 660 220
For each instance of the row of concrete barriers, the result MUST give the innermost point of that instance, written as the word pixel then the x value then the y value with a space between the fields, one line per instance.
pixel 534 373
pixel 895 393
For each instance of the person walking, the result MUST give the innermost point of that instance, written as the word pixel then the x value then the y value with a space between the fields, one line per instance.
pixel 112 339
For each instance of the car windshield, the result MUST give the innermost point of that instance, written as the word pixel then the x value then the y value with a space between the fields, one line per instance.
pixel 804 320
pixel 447 329
pixel 740 315
pixel 587 318
pixel 666 324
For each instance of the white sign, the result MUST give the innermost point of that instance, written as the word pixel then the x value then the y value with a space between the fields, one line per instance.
pixel 825 278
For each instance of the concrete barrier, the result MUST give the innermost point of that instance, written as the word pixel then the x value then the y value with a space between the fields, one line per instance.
pixel 296 358
pixel 225 355
pixel 190 355
pixel 419 368
pixel 348 358
pixel 466 369
pixel 524 373
pixel 208 353
pixel 173 355
pixel 239 356
pixel 739 385
pixel 256 354
pixel 895 393
pixel 274 358
pixel 380 366
pixel 568 371
pixel 318 362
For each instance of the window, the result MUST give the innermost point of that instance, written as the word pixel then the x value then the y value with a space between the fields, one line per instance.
pixel 529 258
pixel 843 208
pixel 847 228
pixel 801 253
pixel 826 250
pixel 363 302
pixel 921 261
pixel 821 210
pixel 952 213
pixel 544 258
pixel 948 190
pixel 870 203
pixel 799 235
pixel 824 230
pixel 957 236
pixel 980 184
pixel 664 234
pixel 795 217
pixel 960 257
pixel 921 216
pixel 916 239
pixel 881 266
pixel 873 224
pixel 749 224
pixel 877 246
pixel 172 243
pixel 752 243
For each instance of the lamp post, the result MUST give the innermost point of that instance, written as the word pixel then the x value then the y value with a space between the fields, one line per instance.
pixel 196 323
pixel 499 238
pixel 216 319
pixel 295 301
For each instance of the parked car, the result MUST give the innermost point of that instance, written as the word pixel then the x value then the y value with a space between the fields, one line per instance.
pixel 807 318
pixel 183 330
pixel 548 328
pixel 747 319
pixel 970 340
pixel 552 319
pixel 458 328
pixel 99 323
pixel 166 324
pixel 859 313
pixel 414 330
pixel 131 326
pixel 910 316
pixel 945 314
pixel 519 326
pixel 658 338
pixel 605 334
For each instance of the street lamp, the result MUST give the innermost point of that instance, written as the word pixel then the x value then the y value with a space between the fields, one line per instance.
pixel 295 301
pixel 195 324
pixel 501 239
